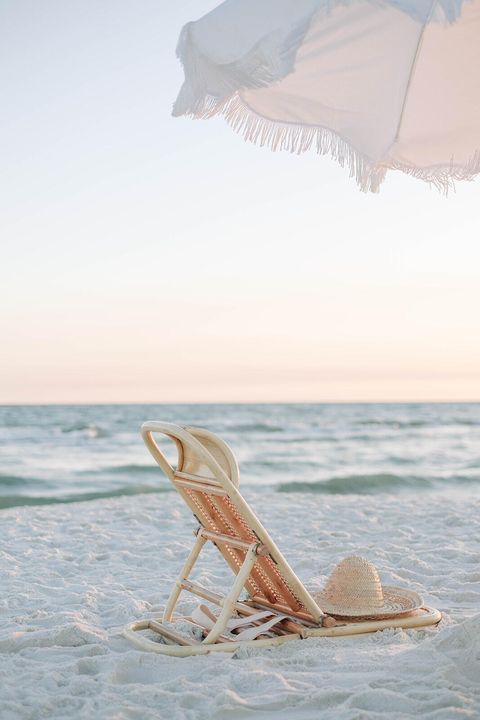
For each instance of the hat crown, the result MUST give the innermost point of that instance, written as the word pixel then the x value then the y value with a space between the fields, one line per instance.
pixel 355 583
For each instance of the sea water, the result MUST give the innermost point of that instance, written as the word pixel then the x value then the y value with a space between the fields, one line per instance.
pixel 66 453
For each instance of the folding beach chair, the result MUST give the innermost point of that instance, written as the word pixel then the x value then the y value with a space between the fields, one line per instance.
pixel 277 608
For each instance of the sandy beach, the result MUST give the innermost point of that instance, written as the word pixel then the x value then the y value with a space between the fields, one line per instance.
pixel 73 575
pixel 158 270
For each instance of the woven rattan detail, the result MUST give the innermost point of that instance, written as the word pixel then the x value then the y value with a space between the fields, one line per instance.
pixel 234 556
pixel 220 515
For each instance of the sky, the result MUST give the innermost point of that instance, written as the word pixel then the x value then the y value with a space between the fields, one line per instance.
pixel 150 259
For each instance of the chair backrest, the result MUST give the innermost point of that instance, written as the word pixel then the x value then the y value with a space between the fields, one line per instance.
pixel 207 477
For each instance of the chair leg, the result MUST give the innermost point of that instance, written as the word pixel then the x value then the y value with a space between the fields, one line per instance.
pixel 228 604
pixel 186 570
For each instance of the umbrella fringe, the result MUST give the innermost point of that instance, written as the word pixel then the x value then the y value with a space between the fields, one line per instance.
pixel 443 177
pixel 298 139
pixel 212 88
pixel 208 83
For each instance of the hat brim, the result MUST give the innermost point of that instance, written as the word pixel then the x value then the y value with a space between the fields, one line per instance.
pixel 397 601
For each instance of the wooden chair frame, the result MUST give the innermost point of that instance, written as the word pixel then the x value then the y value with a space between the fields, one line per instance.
pixel 259 567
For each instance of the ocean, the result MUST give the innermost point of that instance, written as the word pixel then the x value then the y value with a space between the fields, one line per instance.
pixel 68 453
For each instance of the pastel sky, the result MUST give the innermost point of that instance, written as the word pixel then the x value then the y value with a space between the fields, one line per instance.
pixel 152 259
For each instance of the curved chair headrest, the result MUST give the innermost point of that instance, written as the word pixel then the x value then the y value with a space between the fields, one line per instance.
pixel 200 452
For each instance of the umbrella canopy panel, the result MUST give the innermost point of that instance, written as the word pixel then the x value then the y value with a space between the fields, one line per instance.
pixel 379 85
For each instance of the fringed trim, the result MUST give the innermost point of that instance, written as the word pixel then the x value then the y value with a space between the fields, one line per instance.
pixel 298 139
pixel 213 89
pixel 442 177
pixel 208 83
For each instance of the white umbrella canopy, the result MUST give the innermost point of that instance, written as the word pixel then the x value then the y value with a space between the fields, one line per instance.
pixel 377 84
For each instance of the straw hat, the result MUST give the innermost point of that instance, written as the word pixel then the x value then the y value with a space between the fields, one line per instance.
pixel 354 590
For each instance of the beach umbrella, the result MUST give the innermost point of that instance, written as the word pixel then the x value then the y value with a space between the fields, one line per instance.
pixel 376 84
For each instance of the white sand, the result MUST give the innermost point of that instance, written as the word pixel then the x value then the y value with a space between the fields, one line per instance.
pixel 71 576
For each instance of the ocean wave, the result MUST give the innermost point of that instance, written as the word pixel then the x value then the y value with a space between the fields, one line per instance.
pixel 255 427
pixel 13 480
pixel 90 429
pixel 281 464
pixel 396 423
pixel 9 501
pixel 128 469
pixel 302 439
pixel 373 484
pixel 405 424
